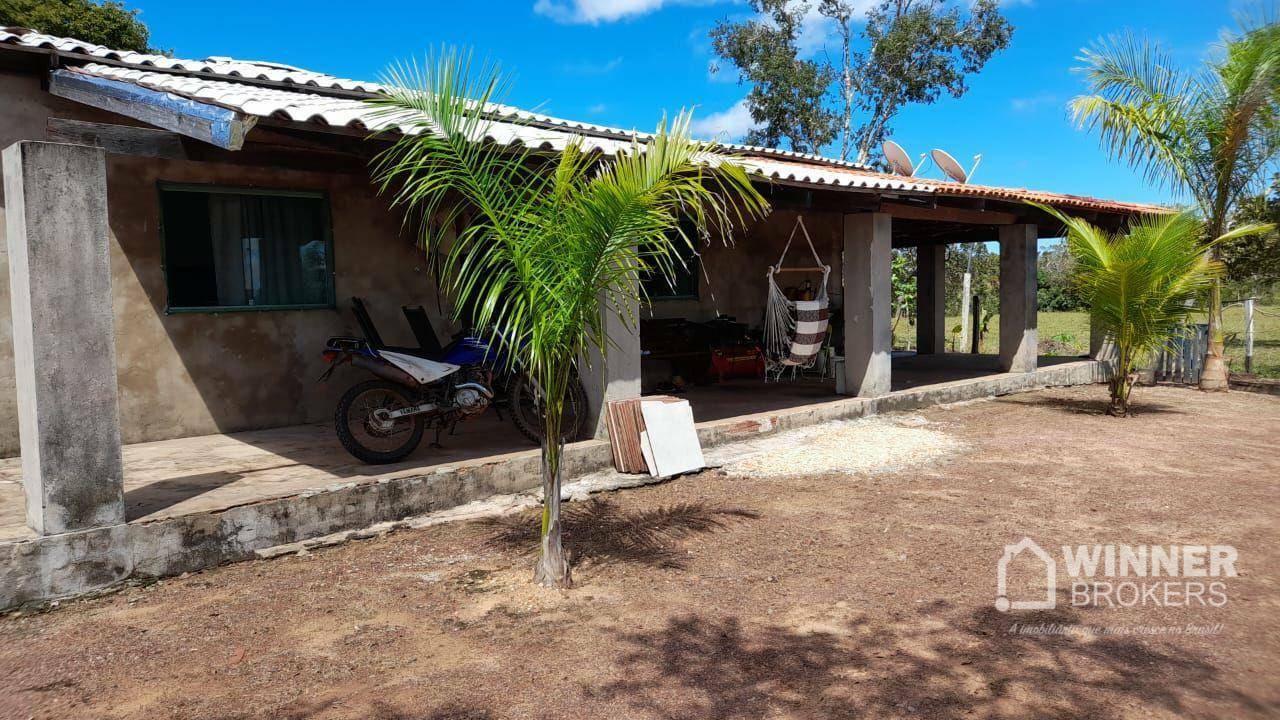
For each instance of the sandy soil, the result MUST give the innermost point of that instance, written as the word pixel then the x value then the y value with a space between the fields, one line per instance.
pixel 721 596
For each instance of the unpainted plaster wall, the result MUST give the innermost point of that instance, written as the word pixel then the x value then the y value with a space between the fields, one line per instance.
pixel 733 282
pixel 194 374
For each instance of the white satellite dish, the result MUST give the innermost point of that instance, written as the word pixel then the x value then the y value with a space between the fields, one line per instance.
pixel 952 168
pixel 897 158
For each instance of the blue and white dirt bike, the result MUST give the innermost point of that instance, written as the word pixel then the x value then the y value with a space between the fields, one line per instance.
pixel 382 420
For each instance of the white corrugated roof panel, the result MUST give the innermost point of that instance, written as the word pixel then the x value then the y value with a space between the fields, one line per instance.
pixel 233 69
pixel 326 110
pixel 273 90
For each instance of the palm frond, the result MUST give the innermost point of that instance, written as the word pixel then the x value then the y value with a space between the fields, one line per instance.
pixel 538 245
pixel 1140 107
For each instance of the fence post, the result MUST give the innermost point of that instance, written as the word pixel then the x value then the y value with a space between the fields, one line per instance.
pixel 977 323
pixel 1248 336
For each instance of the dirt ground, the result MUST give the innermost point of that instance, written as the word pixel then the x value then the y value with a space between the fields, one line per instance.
pixel 718 596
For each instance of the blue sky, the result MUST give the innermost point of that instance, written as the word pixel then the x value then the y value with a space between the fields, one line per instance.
pixel 625 62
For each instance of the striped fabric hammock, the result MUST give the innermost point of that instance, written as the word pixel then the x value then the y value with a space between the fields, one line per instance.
pixel 794 331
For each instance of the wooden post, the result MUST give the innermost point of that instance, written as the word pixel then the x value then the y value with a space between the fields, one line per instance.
pixel 976 312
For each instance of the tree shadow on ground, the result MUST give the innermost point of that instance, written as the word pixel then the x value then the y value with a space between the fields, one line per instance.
pixel 602 532
pixel 1092 406
pixel 938 662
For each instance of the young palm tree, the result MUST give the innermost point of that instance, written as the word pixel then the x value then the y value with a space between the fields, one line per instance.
pixel 1213 134
pixel 542 244
pixel 1141 285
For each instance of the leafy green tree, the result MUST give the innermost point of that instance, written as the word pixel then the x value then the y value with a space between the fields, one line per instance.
pixel 907 51
pixel 546 245
pixel 1054 289
pixel 1138 284
pixel 105 23
pixel 1212 134
pixel 787 93
pixel 1253 262
pixel 915 51
pixel 903 281
pixel 984 266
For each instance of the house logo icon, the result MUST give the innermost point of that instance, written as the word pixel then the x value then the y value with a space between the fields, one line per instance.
pixel 1003 603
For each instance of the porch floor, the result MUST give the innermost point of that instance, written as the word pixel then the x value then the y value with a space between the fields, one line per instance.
pixel 732 398
pixel 214 472
pixel 168 478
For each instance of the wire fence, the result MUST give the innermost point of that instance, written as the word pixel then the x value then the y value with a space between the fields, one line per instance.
pixel 1251 333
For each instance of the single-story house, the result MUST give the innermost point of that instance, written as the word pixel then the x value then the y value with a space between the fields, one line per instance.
pixel 189 232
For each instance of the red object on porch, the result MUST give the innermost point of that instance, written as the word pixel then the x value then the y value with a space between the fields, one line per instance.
pixel 738 361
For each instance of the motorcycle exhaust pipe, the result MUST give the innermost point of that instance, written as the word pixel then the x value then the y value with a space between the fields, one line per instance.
pixel 384 370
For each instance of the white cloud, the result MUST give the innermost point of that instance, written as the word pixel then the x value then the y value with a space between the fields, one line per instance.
pixel 594 12
pixel 597 108
pixel 817 32
pixel 728 125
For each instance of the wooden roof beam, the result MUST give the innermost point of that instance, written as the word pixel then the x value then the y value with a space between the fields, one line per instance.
pixel 944 213
pixel 215 125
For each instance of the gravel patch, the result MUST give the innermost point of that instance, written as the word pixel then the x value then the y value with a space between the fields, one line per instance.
pixel 867 445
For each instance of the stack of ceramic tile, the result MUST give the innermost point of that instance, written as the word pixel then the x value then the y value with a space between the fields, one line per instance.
pixel 654 435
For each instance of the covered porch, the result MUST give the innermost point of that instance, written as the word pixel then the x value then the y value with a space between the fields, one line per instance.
pixel 231 495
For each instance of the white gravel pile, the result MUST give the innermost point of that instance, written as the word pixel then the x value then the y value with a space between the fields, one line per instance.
pixel 872 444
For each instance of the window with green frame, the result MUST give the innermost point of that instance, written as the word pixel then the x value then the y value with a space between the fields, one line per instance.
pixel 684 283
pixel 238 249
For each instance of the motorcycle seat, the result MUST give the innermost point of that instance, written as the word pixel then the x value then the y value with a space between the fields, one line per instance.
pixel 416 352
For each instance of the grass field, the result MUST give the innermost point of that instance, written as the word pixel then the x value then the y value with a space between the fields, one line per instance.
pixel 1070 331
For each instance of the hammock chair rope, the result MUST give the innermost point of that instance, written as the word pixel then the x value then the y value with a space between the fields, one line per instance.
pixel 794 330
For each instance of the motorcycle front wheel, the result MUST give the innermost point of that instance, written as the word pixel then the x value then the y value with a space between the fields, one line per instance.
pixel 526 409
pixel 364 430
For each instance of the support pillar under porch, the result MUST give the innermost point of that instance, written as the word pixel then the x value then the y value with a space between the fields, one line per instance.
pixel 1018 337
pixel 931 299
pixel 868 299
pixel 63 336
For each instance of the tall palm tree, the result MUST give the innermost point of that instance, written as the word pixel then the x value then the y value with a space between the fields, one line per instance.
pixel 1138 284
pixel 542 244
pixel 1212 133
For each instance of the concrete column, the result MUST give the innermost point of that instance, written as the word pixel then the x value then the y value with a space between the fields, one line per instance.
pixel 1018 340
pixel 63 337
pixel 931 299
pixel 616 377
pixel 868 301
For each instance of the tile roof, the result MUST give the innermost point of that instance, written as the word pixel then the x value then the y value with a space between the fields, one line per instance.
pixel 282 92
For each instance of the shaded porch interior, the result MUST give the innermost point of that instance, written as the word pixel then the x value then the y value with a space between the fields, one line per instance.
pixel 207 473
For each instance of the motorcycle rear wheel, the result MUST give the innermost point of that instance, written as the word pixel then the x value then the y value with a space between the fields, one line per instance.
pixel 364 435
pixel 526 409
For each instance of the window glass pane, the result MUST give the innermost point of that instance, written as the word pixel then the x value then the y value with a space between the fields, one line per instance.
pixel 245 250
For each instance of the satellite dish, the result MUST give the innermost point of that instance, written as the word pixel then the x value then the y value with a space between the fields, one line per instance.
pixel 898 159
pixel 951 168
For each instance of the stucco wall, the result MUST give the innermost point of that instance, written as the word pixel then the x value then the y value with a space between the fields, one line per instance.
pixel 734 279
pixel 192 374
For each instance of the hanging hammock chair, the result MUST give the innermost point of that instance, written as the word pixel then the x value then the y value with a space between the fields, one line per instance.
pixel 795 330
